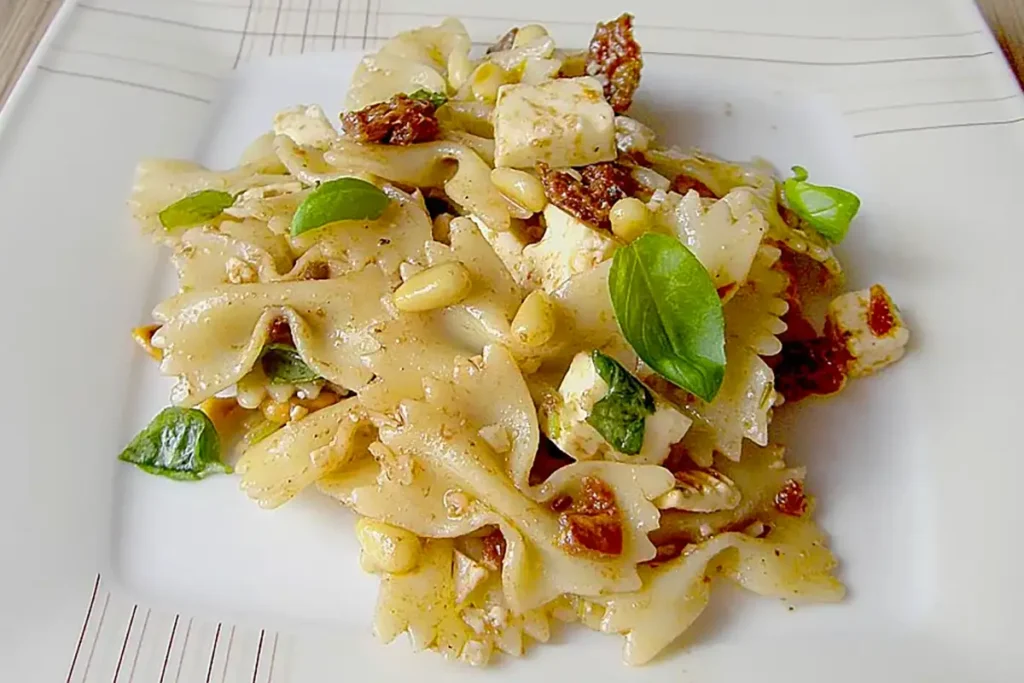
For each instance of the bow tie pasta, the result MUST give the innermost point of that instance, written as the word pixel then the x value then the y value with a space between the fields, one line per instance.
pixel 533 353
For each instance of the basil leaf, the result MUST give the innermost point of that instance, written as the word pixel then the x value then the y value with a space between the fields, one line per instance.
pixel 435 98
pixel 828 210
pixel 283 365
pixel 196 208
pixel 669 311
pixel 180 443
pixel 620 415
pixel 343 199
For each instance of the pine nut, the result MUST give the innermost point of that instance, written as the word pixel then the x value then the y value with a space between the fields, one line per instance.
pixel 143 336
pixel 630 218
pixel 521 187
pixel 486 80
pixel 534 323
pixel 252 388
pixel 322 400
pixel 528 34
pixel 386 547
pixel 436 287
pixel 442 230
pixel 276 411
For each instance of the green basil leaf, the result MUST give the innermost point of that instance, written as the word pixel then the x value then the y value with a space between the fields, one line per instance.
pixel 196 208
pixel 343 199
pixel 180 443
pixel 435 98
pixel 669 311
pixel 283 365
pixel 828 210
pixel 621 414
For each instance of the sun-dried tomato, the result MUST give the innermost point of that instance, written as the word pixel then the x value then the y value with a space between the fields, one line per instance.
pixel 790 500
pixel 880 317
pixel 595 498
pixel 614 59
pixel 593 523
pixel 492 551
pixel 505 42
pixel 683 183
pixel 280 332
pixel 590 199
pixel 398 121
pixel 809 363
pixel 809 367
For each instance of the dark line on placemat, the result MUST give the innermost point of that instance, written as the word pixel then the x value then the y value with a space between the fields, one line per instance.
pixel 138 649
pixel 770 60
pixel 277 21
pixel 305 27
pixel 337 15
pixel 213 653
pixel 118 81
pixel 136 60
pixel 273 658
pixel 184 646
pixel 85 627
pixel 124 643
pixel 256 664
pixel 96 638
pixel 170 643
pixel 245 33
pixel 200 27
pixel 932 104
pixel 227 654
pixel 695 29
pixel 366 22
pixel 940 127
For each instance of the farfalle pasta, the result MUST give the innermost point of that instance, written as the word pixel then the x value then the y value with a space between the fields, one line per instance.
pixel 533 351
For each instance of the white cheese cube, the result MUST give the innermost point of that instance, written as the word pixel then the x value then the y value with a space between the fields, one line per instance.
pixel 568 247
pixel 306 125
pixel 568 428
pixel 563 122
pixel 869 326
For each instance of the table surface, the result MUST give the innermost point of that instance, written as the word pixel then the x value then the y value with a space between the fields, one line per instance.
pixel 23 22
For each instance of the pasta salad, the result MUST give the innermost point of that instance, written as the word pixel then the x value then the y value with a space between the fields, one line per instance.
pixel 533 350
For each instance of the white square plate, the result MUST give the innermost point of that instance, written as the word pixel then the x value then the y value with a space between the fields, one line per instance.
pixel 112 575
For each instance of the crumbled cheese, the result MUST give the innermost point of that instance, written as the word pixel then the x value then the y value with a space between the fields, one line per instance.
pixel 456 503
pixel 562 122
pixel 468 574
pixel 847 322
pixel 394 467
pixel 240 272
pixel 569 247
pixel 568 428
pixel 476 652
pixel 497 437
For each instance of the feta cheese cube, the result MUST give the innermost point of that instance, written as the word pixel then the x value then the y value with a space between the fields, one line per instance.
pixel 568 428
pixel 562 122
pixel 869 326
pixel 305 125
pixel 568 247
